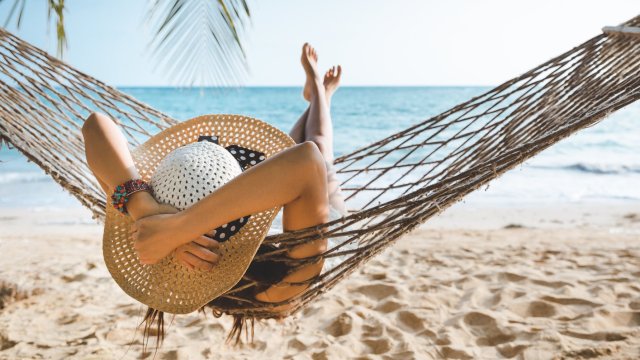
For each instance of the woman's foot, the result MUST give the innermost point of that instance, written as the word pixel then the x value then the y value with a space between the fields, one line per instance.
pixel 332 81
pixel 309 61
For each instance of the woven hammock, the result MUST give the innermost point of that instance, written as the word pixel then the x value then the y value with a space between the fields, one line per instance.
pixel 392 185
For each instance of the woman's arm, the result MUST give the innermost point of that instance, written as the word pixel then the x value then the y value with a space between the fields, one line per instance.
pixel 109 158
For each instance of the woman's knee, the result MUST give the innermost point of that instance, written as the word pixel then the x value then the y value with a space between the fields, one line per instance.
pixel 322 143
pixel 311 153
pixel 313 158
pixel 95 122
pixel 317 174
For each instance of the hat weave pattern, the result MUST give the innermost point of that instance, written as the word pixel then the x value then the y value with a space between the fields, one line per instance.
pixel 168 285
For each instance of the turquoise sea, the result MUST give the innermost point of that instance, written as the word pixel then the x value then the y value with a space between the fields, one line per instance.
pixel 599 163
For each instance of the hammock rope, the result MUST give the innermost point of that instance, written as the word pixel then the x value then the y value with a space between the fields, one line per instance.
pixel 392 185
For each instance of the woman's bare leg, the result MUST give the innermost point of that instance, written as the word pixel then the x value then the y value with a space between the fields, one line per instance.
pixel 318 127
pixel 297 131
pixel 331 82
pixel 318 122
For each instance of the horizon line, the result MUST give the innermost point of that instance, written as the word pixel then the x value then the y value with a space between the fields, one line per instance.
pixel 294 86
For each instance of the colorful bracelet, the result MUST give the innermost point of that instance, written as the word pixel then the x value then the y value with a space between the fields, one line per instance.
pixel 123 191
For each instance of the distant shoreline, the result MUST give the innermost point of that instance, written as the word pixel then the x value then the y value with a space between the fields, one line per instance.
pixel 300 87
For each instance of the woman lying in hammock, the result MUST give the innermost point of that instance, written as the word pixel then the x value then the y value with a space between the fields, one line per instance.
pixel 300 178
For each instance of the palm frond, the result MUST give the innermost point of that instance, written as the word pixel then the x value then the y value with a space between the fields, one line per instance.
pixel 18 5
pixel 57 7
pixel 200 41
pixel 54 7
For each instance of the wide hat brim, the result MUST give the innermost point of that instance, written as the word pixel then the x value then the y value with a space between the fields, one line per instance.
pixel 168 285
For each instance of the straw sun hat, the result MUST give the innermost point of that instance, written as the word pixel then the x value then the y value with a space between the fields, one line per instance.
pixel 183 164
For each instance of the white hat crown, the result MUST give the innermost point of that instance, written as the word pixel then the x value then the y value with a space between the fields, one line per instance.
pixel 191 172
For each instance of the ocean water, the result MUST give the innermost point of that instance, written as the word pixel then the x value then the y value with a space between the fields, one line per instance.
pixel 599 163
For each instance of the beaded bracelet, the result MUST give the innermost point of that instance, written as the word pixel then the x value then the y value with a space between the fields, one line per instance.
pixel 123 191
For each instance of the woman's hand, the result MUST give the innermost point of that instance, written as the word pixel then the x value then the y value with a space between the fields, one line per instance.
pixel 198 254
pixel 155 237
pixel 195 254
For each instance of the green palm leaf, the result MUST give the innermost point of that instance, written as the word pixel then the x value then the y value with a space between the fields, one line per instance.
pixel 57 7
pixel 19 6
pixel 196 41
pixel 199 41
pixel 54 7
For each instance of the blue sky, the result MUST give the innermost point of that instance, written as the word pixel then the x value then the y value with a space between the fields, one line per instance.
pixel 378 42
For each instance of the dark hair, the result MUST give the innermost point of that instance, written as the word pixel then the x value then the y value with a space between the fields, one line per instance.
pixel 266 273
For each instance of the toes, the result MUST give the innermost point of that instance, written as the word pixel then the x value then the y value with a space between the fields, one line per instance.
pixel 333 72
pixel 308 51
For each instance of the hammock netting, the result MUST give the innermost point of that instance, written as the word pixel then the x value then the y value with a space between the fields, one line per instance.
pixel 392 185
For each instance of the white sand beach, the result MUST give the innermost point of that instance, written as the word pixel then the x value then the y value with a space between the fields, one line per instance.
pixel 534 282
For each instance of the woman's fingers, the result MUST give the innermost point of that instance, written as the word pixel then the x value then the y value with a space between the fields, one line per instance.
pixel 202 253
pixel 211 233
pixel 207 242
pixel 180 255
pixel 198 253
pixel 197 262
